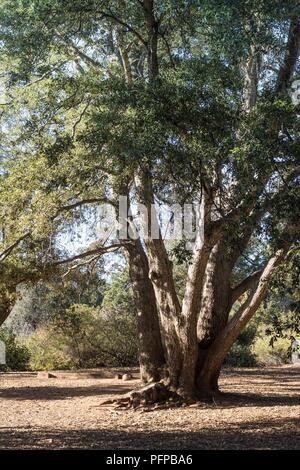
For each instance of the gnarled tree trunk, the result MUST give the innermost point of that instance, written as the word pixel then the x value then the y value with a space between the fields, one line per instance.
pixel 227 336
pixel 151 354
pixel 214 311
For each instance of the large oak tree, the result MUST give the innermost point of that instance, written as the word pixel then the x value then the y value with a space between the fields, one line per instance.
pixel 177 101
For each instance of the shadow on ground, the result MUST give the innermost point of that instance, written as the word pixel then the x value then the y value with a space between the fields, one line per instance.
pixel 224 400
pixel 272 434
pixel 287 374
pixel 52 392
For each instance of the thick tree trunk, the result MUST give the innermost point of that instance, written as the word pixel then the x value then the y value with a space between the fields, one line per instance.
pixel 190 309
pixel 218 350
pixel 151 354
pixel 185 381
pixel 161 276
pixel 169 308
pixel 215 308
pixel 215 303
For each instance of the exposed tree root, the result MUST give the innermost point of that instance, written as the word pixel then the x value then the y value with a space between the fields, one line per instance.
pixel 159 395
pixel 152 396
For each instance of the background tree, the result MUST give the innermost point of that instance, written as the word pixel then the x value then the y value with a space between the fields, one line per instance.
pixel 75 335
pixel 40 302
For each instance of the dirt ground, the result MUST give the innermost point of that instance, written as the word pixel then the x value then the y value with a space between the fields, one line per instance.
pixel 260 409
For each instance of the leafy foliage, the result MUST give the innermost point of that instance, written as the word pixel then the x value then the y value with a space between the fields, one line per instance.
pixel 82 335
pixel 17 354
pixel 241 354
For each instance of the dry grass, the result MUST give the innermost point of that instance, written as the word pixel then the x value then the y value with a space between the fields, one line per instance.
pixel 259 410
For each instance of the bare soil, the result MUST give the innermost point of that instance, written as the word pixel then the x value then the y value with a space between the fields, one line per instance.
pixel 260 409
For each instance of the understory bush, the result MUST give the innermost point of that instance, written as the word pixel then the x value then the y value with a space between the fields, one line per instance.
pixel 241 354
pixel 275 354
pixel 17 354
pixel 84 337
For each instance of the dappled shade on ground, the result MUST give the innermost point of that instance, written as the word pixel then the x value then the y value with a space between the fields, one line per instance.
pixel 259 409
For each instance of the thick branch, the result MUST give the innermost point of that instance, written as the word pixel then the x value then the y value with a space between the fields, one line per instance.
pixel 251 79
pixel 5 253
pixel 161 276
pixel 195 278
pixel 245 285
pixel 291 57
pixel 94 251
pixel 152 28
pixel 83 202
pixel 123 51
pixel 151 354
pixel 224 341
pixel 213 232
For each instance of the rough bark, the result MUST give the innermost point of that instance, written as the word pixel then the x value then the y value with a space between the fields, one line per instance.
pixel 245 285
pixel 152 42
pixel 161 276
pixel 151 354
pixel 215 306
pixel 291 57
pixel 191 306
pixel 123 50
pixel 223 342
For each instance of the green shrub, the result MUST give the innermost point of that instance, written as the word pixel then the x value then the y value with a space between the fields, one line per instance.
pixel 47 351
pixel 248 335
pixel 17 354
pixel 241 354
pixel 84 336
pixel 66 341
pixel 266 354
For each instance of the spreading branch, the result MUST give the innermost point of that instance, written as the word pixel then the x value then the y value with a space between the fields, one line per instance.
pixel 98 250
pixel 112 16
pixel 7 251
pixel 245 285
pixel 83 202
pixel 84 57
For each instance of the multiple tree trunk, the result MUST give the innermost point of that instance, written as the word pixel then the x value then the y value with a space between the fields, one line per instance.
pixel 192 339
pixel 183 345
pixel 197 335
